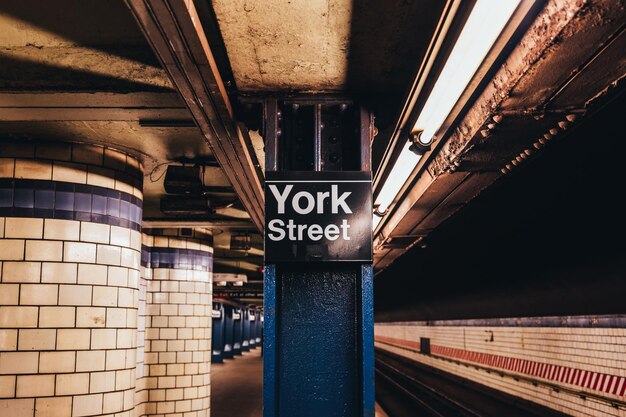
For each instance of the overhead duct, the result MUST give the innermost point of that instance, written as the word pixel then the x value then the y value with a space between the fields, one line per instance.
pixel 240 242
pixel 183 180
pixel 190 193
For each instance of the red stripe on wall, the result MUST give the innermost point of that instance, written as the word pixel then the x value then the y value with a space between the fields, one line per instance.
pixel 622 387
pixel 610 384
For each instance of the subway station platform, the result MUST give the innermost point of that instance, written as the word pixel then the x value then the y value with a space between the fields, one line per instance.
pixel 237 386
pixel 329 208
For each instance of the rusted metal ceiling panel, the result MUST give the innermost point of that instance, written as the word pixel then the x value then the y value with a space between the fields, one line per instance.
pixel 436 208
pixel 173 29
pixel 508 124
pixel 564 39
pixel 466 191
pixel 505 140
pixel 520 64
pixel 601 71
pixel 424 203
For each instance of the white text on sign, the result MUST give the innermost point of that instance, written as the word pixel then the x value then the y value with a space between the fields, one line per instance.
pixel 304 202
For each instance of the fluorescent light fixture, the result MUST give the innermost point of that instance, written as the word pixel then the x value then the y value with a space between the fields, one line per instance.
pixel 376 221
pixel 401 170
pixel 484 25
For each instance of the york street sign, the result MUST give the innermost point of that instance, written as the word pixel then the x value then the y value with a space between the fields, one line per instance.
pixel 318 216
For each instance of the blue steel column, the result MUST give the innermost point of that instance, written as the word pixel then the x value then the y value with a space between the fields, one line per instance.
pixel 319 327
pixel 270 360
pixel 367 339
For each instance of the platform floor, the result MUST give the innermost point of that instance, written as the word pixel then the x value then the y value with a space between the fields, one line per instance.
pixel 237 386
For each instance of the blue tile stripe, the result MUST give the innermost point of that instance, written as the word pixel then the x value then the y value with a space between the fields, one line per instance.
pixel 599 321
pixel 63 200
pixel 176 258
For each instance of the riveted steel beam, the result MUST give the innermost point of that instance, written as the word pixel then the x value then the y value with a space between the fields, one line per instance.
pixel 173 29
pixel 548 78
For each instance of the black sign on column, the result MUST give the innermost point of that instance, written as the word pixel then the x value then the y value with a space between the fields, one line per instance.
pixel 318 216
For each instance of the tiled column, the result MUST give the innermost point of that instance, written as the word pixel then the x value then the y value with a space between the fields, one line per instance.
pixel 70 246
pixel 141 391
pixel 177 346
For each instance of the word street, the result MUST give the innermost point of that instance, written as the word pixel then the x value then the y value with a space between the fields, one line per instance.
pixel 314 231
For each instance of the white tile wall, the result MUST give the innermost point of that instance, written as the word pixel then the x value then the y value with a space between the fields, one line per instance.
pixel 174 337
pixel 600 350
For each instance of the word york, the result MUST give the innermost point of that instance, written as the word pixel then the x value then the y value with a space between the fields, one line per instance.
pixel 311 202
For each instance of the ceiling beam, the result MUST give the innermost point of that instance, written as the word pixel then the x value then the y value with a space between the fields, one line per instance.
pixel 149 100
pixel 98 106
pixel 173 29
pixel 198 223
pixel 70 114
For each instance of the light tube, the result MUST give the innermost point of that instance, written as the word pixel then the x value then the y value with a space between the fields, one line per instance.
pixel 482 28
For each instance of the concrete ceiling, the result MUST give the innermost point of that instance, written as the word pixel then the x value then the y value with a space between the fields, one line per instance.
pixel 363 47
pixel 98 42
pixel 83 71
pixel 286 45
